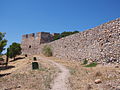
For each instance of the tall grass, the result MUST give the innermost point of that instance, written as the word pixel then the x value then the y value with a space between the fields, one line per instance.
pixel 47 51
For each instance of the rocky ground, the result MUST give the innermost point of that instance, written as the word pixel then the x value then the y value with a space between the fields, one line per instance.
pixel 22 77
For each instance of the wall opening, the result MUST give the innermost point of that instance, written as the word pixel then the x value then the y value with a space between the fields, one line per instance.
pixel 29 46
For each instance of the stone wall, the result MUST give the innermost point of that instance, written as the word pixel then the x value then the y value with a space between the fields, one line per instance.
pixel 101 44
pixel 30 42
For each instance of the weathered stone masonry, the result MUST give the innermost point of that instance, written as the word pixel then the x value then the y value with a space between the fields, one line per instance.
pixel 30 42
pixel 101 43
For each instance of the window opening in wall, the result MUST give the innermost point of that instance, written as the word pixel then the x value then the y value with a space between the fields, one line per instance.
pixel 26 36
pixel 29 46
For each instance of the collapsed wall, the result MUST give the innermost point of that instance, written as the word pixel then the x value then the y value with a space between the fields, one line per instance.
pixel 101 44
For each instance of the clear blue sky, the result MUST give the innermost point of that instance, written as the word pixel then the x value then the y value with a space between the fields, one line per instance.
pixel 18 17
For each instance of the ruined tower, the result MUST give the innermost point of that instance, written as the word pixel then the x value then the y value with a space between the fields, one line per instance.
pixel 30 42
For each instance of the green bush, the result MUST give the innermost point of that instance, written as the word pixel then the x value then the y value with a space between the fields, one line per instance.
pixel 47 51
pixel 64 34
pixel 85 62
pixel 93 64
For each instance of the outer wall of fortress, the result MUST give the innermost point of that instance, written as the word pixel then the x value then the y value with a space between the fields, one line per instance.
pixel 101 44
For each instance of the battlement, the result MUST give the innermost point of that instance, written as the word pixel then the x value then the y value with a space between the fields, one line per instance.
pixel 31 35
pixel 39 35
pixel 53 34
pixel 25 36
pixel 34 40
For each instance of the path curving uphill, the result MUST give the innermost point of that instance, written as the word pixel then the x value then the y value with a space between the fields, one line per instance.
pixel 61 82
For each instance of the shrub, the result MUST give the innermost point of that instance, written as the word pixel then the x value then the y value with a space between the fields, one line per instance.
pixel 93 64
pixel 85 61
pixel 47 51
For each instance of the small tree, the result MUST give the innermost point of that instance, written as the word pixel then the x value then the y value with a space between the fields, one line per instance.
pixel 14 50
pixel 3 42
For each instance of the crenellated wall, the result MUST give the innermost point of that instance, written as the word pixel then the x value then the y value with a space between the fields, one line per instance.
pixel 30 42
pixel 101 44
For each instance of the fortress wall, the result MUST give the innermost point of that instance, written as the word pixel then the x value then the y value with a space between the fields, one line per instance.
pixel 31 42
pixel 101 44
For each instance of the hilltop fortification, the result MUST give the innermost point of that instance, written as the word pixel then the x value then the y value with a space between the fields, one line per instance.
pixel 31 42
pixel 101 44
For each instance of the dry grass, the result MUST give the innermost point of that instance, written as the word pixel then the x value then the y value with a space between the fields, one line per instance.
pixel 82 78
pixel 22 77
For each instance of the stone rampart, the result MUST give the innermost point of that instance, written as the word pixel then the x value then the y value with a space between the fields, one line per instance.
pixel 101 44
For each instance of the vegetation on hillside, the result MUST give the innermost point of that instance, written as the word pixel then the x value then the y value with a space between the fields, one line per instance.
pixel 3 42
pixel 64 34
pixel 93 64
pixel 85 62
pixel 47 51
pixel 14 50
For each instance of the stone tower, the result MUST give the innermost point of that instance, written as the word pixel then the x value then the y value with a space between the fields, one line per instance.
pixel 30 42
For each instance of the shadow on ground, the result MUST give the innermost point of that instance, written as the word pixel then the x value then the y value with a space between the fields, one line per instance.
pixel 2 75
pixel 5 68
pixel 19 58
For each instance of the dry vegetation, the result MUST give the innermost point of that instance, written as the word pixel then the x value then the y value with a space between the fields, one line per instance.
pixel 83 78
pixel 22 77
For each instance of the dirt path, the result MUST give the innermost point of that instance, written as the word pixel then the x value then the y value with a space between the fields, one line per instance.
pixel 61 81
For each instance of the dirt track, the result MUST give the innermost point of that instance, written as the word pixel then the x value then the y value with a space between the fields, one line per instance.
pixel 61 81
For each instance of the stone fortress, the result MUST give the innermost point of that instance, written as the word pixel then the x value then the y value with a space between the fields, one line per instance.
pixel 101 44
pixel 32 41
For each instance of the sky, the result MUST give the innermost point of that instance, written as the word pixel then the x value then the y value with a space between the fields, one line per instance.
pixel 18 17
